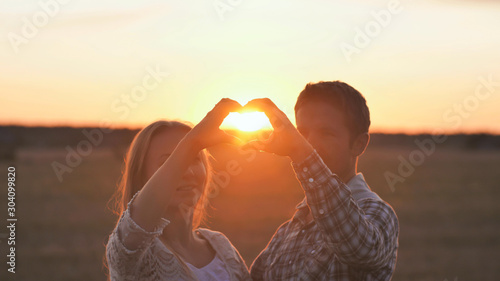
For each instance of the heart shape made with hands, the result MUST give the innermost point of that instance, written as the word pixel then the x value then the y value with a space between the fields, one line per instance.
pixel 247 121
pixel 281 140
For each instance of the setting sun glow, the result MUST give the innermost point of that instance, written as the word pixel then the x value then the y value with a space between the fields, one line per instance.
pixel 248 121
pixel 131 64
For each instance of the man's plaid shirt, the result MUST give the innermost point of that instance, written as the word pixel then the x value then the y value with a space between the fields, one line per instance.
pixel 353 234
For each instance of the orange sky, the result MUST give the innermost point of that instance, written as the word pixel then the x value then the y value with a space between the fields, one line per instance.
pixel 420 65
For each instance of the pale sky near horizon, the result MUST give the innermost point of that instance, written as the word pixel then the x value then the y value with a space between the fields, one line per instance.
pixel 82 62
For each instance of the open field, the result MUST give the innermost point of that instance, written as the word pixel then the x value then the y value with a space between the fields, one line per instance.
pixel 448 211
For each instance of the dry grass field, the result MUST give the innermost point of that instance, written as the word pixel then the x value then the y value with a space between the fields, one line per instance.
pixel 448 211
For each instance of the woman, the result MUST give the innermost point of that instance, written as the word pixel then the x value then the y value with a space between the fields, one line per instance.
pixel 164 191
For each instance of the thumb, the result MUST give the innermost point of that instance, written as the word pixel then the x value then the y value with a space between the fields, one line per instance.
pixel 229 139
pixel 254 145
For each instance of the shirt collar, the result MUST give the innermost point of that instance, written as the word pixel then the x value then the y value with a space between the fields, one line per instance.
pixel 301 212
pixel 357 180
pixel 355 184
pixel 360 189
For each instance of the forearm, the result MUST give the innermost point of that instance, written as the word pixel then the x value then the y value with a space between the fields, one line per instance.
pixel 300 149
pixel 150 204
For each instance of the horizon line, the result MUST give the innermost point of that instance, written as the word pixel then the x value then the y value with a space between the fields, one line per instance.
pixel 229 128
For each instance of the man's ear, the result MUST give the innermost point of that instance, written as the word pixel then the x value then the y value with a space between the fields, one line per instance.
pixel 359 144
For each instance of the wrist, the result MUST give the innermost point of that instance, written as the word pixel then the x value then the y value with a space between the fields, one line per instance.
pixel 301 151
pixel 190 145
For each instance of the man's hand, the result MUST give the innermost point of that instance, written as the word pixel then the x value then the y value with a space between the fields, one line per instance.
pixel 285 140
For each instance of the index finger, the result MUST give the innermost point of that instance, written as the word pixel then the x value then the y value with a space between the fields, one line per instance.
pixel 224 107
pixel 277 117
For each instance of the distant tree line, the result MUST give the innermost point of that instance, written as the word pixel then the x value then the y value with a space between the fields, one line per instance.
pixel 15 137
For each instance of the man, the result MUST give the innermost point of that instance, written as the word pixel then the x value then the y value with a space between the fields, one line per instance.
pixel 341 230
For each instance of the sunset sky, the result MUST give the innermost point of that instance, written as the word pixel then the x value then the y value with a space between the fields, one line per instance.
pixel 424 65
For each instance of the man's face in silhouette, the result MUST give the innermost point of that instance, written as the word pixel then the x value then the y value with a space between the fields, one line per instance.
pixel 325 128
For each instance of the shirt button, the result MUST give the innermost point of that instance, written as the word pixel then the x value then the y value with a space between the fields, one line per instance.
pixel 305 169
pixel 311 180
pixel 312 252
pixel 321 211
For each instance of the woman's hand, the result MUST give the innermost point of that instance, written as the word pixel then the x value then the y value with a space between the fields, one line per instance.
pixel 154 198
pixel 207 132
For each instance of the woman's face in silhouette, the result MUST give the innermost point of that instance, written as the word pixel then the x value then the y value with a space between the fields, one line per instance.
pixel 191 187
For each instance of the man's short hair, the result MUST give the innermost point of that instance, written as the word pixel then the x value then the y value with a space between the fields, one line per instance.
pixel 345 98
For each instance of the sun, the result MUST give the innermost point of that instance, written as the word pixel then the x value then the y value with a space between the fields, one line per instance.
pixel 247 121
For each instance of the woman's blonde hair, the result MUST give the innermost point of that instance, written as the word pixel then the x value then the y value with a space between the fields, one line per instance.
pixel 133 175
